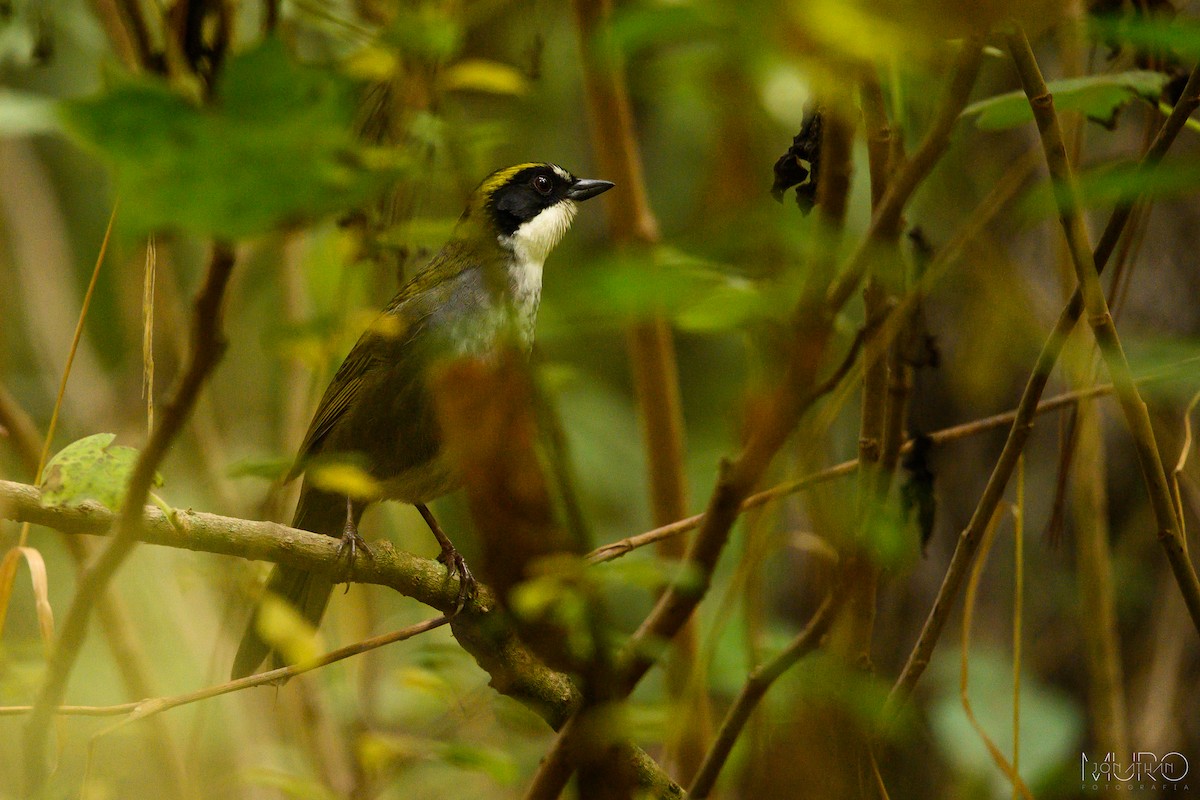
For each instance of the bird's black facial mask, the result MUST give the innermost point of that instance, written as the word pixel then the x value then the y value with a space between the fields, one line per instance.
pixel 527 194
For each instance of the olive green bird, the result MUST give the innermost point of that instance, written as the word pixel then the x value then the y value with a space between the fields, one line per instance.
pixel 483 285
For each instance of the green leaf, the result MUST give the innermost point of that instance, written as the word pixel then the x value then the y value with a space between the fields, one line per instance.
pixel 286 630
pixel 1178 35
pixel 91 468
pixel 1098 97
pixel 1110 184
pixel 271 468
pixel 1050 722
pixel 276 146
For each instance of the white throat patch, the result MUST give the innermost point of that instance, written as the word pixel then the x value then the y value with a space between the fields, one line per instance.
pixel 534 239
pixel 530 244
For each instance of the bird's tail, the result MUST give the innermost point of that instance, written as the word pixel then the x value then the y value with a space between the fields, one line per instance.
pixel 306 591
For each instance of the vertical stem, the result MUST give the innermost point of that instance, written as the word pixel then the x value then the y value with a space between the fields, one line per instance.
pixel 1096 593
pixel 651 353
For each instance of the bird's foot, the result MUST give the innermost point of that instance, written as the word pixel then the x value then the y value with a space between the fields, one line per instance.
pixel 457 564
pixel 350 543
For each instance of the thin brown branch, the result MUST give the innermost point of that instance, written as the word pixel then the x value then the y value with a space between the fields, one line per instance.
pixel 755 688
pixel 208 344
pixel 625 546
pixel 140 709
pixel 1100 319
pixel 1022 423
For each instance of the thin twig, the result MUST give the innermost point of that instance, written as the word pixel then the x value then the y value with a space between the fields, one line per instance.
pixel 755 688
pixel 208 345
pixel 140 709
pixel 625 546
pixel 1022 423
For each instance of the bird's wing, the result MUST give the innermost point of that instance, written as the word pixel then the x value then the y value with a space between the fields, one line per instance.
pixel 337 398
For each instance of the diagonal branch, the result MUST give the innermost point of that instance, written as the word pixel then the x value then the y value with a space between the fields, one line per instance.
pixel 755 689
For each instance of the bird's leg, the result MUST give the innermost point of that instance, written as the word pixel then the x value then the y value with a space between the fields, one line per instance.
pixel 351 542
pixel 450 557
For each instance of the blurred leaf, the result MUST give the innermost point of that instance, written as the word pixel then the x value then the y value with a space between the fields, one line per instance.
pixel 698 295
pixel 481 75
pixel 22 113
pixel 89 469
pixel 497 764
pixel 427 32
pixel 271 468
pixel 1098 97
pixel 640 27
pixel 372 64
pixel 1050 723
pixel 344 479
pixel 1110 184
pixel 286 630
pixel 1178 35
pixel 277 146
pixel 295 786
pixel 427 681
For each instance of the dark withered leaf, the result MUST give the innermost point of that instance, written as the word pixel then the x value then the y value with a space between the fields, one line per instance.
pixel 916 495
pixel 800 165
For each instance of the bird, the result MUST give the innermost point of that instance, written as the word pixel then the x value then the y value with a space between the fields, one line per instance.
pixel 482 286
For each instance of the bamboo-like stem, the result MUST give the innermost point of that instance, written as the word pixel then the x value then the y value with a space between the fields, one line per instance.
pixel 1134 409
pixel 1022 422
pixel 1096 593
pixel 208 345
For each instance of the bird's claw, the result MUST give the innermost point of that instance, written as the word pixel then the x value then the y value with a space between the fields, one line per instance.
pixel 466 581
pixel 350 544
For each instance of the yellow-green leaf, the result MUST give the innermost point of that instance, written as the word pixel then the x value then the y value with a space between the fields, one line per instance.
pixel 91 468
pixel 481 75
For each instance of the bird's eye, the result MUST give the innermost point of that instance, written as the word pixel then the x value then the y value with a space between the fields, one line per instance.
pixel 543 185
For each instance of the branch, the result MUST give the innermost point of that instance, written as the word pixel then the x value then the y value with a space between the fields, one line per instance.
pixel 1022 422
pixel 208 343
